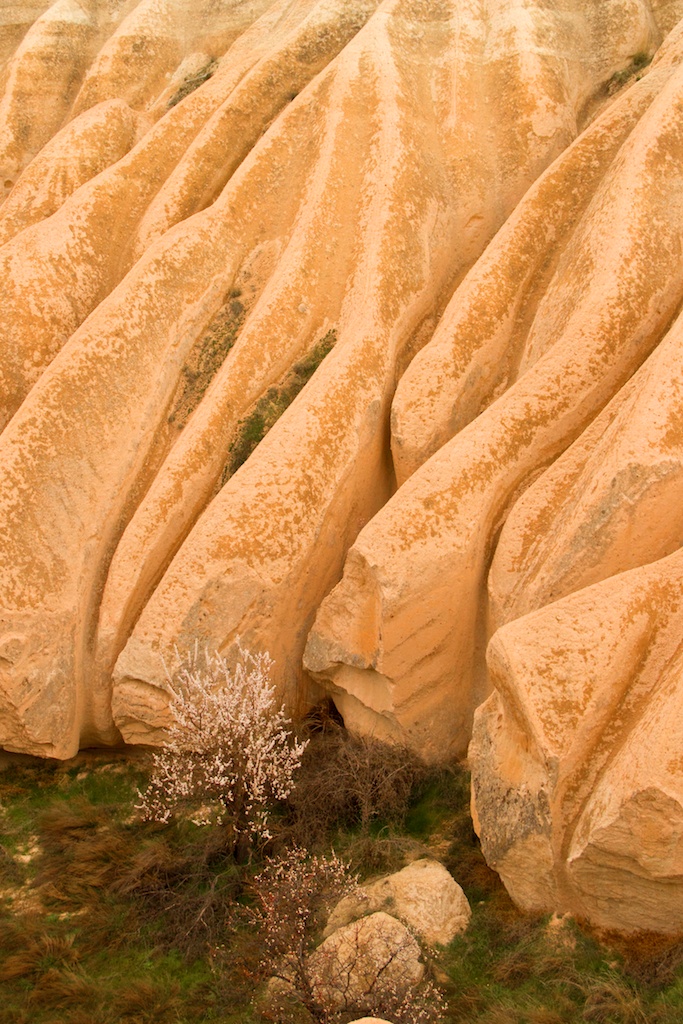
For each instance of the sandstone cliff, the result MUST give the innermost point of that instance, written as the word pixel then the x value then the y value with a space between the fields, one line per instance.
pixel 460 225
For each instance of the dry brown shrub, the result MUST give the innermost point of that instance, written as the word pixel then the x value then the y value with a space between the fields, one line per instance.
pixel 189 890
pixel 82 851
pixel 153 870
pixel 528 1014
pixel 514 968
pixel 546 1015
pixel 143 1002
pixel 15 1015
pixel 66 988
pixel 529 951
pixel 284 1007
pixel 11 874
pixel 18 931
pixel 501 1015
pixel 467 1003
pixel 74 818
pixel 78 1015
pixel 381 855
pixel 649 958
pixel 349 781
pixel 236 965
pixel 41 953
pixel 610 999
pixel 135 874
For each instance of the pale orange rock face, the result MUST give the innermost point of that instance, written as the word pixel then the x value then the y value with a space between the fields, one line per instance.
pixel 592 682
pixel 323 472
pixel 410 611
pixel 482 206
pixel 85 146
pixel 576 757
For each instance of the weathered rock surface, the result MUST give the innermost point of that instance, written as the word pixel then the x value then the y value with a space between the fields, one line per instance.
pixel 262 555
pixel 174 300
pixel 364 960
pixel 611 502
pixel 576 756
pixel 423 895
pixel 402 638
pixel 84 147
pixel 478 208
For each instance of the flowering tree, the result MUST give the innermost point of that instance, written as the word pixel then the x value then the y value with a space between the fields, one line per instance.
pixel 230 753
pixel 293 894
pixel 292 898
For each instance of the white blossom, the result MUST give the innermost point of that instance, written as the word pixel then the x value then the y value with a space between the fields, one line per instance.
pixel 292 896
pixel 230 753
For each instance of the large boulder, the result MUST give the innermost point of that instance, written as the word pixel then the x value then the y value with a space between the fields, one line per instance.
pixel 576 757
pixel 364 961
pixel 424 895
pixel 577 789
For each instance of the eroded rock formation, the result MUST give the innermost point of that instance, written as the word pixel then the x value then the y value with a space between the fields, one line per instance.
pixel 462 224
pixel 521 363
pixel 581 742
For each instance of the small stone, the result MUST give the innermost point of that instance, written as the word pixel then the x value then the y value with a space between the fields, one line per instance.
pixel 371 1020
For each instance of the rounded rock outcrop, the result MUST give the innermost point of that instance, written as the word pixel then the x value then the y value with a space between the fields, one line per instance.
pixel 402 638
pixel 577 781
pixel 423 895
pixel 373 957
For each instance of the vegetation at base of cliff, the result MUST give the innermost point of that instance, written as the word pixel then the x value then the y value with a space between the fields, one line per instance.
pixel 267 411
pixel 105 919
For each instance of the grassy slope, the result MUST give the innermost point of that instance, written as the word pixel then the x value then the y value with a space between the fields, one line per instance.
pixel 106 920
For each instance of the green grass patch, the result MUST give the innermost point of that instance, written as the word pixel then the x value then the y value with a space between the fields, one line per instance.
pixel 94 927
pixel 442 794
pixel 113 921
pixel 267 411
pixel 633 72
pixel 207 357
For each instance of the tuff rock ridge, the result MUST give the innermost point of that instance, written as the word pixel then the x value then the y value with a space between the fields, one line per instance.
pixel 468 522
